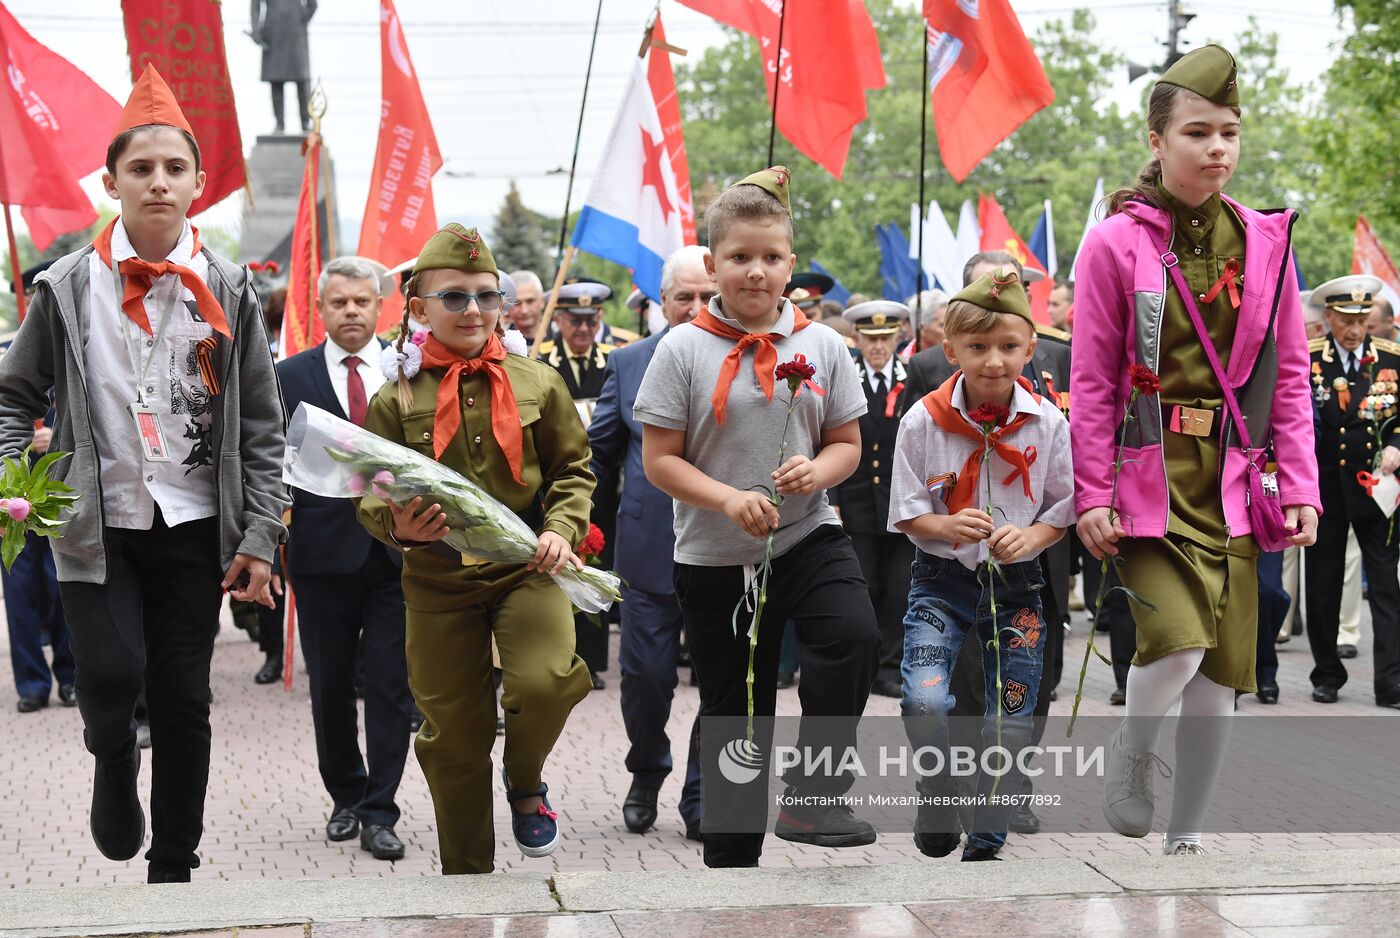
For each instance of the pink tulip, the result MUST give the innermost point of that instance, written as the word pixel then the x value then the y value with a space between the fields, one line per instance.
pixel 18 509
pixel 380 483
pixel 357 485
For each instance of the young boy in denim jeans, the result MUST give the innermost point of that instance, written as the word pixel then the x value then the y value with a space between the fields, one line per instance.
pixel 963 512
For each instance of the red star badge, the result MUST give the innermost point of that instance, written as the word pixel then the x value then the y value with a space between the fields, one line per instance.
pixel 653 153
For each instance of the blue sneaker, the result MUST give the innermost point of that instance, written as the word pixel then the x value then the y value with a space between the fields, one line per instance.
pixel 537 833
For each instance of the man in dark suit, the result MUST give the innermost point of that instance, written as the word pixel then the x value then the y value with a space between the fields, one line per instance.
pixel 581 359
pixel 864 498
pixel 651 617
pixel 1354 380
pixel 1048 373
pixel 347 585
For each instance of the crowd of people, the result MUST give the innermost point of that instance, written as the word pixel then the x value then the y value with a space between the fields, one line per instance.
pixel 928 445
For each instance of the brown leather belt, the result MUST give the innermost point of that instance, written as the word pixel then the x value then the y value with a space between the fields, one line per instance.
pixel 1191 421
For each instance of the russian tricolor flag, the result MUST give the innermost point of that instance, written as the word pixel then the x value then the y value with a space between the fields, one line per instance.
pixel 632 215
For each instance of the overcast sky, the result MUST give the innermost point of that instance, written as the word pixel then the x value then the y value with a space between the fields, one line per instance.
pixel 503 78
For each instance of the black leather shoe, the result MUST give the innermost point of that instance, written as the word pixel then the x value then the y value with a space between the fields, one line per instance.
pixel 1023 820
pixel 1388 697
pixel 598 682
pixel 343 825
pixel 270 672
pixel 1268 693
pixel 888 688
pixel 639 807
pixel 381 841
pixel 1054 694
pixel 1346 651
pixel 974 854
pixel 692 832
pixel 937 845
pixel 1325 694
pixel 166 873
pixel 1118 698
pixel 117 822
pixel 68 695
pixel 28 703
pixel 415 720
pixel 786 679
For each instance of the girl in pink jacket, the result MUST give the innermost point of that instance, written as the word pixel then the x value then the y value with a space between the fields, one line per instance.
pixel 1180 523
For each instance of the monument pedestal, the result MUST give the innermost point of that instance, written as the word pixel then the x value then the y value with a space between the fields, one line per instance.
pixel 274 175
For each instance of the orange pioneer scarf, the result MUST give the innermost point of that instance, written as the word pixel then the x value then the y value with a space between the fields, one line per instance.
pixel 505 415
pixel 140 275
pixel 765 356
pixel 948 418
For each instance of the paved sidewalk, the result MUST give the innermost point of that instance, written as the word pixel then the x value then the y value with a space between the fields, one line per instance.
pixel 267 808
pixel 1342 892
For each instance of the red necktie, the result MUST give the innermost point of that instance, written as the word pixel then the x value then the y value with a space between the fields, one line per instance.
pixel 355 391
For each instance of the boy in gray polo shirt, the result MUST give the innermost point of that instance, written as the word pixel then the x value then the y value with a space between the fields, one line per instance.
pixel 712 428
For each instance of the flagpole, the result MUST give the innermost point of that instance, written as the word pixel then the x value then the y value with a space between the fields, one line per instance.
pixel 777 81
pixel 18 276
pixel 924 104
pixel 578 134
pixel 543 328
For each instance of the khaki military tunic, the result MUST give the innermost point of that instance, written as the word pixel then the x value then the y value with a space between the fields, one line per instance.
pixel 1203 582
pixel 456 606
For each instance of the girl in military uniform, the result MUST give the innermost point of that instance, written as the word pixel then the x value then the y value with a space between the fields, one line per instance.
pixel 1180 523
pixel 507 423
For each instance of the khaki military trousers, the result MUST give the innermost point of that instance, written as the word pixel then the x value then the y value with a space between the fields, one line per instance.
pixel 451 620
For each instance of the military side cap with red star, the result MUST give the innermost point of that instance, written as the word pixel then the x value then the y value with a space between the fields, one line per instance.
pixel 456 248
pixel 775 180
pixel 999 291
pixel 1209 71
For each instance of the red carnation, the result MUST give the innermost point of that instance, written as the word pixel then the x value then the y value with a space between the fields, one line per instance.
pixel 272 267
pixel 798 373
pixel 1368 359
pixel 1144 379
pixel 255 265
pixel 990 416
pixel 592 544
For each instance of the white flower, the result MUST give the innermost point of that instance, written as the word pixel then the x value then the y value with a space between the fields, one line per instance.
pixel 390 358
pixel 514 341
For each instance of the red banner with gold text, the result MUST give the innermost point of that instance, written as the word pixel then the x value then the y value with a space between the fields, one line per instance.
pixel 184 39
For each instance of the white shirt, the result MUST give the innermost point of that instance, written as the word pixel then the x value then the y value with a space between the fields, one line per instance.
pixel 131 486
pixel 340 372
pixel 923 450
pixel 887 371
pixel 1347 358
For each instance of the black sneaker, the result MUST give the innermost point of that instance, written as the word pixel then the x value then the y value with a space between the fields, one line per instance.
pixel 828 825
pixel 167 873
pixel 937 832
pixel 117 822
pixel 974 854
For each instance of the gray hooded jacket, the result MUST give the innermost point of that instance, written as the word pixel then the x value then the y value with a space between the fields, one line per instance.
pixel 248 429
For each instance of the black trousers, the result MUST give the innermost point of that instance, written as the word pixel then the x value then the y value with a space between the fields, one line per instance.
pixel 884 562
pixel 342 617
pixel 1117 614
pixel 817 584
pixel 1326 568
pixel 1273 607
pixel 154 620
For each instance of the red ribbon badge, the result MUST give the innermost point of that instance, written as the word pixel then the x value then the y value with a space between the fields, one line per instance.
pixel 1227 279
pixel 892 398
pixel 1368 481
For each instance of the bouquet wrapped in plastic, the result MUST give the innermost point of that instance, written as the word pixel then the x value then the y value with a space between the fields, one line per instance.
pixel 334 458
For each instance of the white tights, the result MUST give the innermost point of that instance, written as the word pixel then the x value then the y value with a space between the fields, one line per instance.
pixel 1200 743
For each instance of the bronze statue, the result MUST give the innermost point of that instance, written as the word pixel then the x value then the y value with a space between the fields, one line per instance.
pixel 281 31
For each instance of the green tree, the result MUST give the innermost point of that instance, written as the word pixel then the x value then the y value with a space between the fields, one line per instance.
pixel 519 237
pixel 1355 138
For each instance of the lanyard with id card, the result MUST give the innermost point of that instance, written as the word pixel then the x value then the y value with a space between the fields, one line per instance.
pixel 145 417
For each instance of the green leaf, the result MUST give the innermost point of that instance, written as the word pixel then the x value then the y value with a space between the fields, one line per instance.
pixel 10 546
pixel 1131 595
pixel 46 462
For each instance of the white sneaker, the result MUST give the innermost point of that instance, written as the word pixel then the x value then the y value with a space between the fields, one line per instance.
pixel 1076 602
pixel 1127 791
pixel 1182 848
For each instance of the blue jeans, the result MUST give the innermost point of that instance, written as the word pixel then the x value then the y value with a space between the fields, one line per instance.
pixel 946 602
pixel 31 607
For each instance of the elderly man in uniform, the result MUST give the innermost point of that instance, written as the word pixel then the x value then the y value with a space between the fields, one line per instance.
pixel 1048 372
pixel 1354 378
pixel 864 498
pixel 582 361
pixel 645 542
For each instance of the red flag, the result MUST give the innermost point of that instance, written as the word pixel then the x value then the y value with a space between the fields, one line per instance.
pixel 301 327
pixel 1368 256
pixel 185 42
pixel 399 216
pixel 48 112
pixel 668 108
pixel 998 235
pixel 830 58
pixel 986 78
